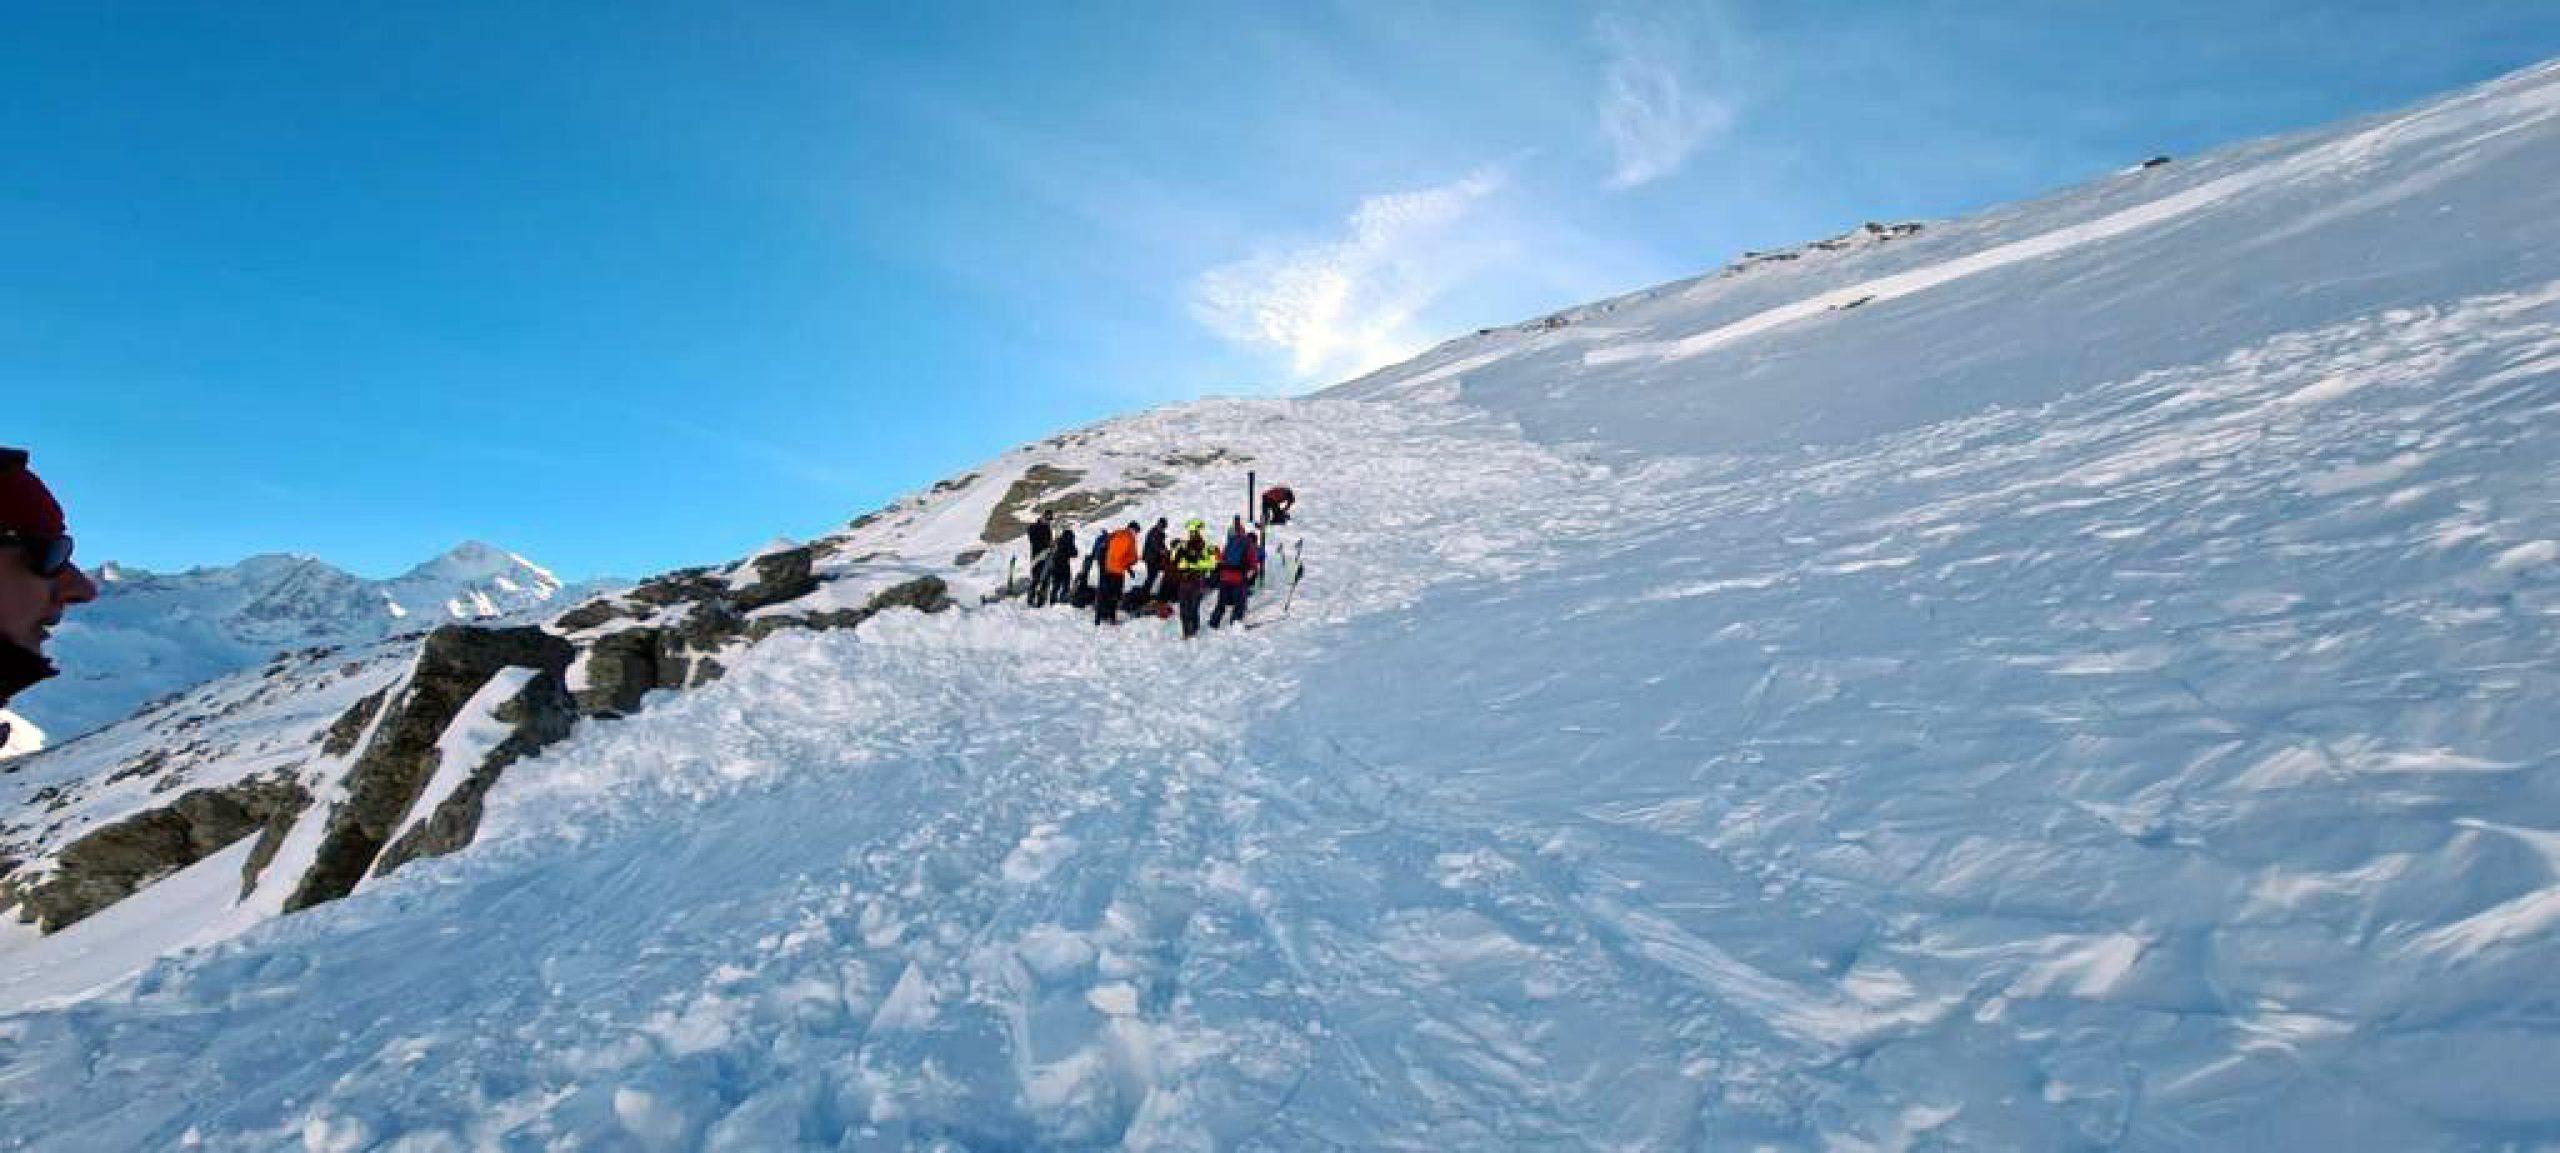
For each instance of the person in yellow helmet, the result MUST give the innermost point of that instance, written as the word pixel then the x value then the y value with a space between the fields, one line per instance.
pixel 1193 561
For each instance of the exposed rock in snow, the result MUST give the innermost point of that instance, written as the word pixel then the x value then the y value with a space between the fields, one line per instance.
pixel 113 862
pixel 392 767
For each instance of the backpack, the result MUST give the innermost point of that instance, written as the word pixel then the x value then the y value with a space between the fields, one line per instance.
pixel 1237 554
pixel 1123 554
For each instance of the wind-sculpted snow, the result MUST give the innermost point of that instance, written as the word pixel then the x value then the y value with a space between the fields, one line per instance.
pixel 2127 738
pixel 2169 765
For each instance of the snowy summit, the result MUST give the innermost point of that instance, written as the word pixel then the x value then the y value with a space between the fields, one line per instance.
pixel 2082 675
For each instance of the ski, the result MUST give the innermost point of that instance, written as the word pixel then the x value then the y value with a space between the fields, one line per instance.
pixel 1297 569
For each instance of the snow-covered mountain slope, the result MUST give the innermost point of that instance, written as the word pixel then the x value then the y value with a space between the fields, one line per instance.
pixel 151 634
pixel 2155 749
pixel 2153 268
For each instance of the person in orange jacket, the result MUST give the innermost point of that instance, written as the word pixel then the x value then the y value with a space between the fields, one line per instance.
pixel 1119 555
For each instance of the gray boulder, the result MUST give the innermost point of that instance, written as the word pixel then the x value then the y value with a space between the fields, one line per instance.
pixel 780 576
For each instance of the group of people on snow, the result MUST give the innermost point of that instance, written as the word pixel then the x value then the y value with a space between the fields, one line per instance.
pixel 1126 571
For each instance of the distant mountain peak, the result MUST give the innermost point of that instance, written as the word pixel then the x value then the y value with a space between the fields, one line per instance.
pixel 152 633
pixel 473 560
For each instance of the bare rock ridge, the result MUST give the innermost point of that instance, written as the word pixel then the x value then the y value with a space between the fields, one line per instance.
pixel 665 634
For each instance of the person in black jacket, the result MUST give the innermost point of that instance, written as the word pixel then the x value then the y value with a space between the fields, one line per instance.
pixel 1159 562
pixel 37 579
pixel 1062 561
pixel 1042 532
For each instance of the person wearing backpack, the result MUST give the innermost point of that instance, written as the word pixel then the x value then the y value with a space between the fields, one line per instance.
pixel 1119 553
pixel 1236 562
pixel 1193 561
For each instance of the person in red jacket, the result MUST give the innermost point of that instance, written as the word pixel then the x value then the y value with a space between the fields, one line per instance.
pixel 1239 562
pixel 1277 500
pixel 38 582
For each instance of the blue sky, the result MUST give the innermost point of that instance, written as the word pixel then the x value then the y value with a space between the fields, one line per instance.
pixel 631 286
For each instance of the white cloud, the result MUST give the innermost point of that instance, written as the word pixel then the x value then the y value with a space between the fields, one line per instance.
pixel 1654 108
pixel 1349 305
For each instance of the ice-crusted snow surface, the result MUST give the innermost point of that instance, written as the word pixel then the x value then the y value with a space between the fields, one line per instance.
pixel 2155 758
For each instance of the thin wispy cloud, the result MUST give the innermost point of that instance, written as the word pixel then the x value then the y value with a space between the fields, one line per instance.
pixel 1658 104
pixel 1348 305
pixel 810 469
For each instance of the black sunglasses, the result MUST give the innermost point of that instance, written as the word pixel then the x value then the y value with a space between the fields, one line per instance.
pixel 46 555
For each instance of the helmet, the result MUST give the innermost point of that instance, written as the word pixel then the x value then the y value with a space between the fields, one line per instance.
pixel 1196 525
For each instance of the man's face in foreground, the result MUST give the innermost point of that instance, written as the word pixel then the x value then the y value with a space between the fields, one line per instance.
pixel 30 605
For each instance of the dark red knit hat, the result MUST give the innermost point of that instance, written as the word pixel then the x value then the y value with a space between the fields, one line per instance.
pixel 25 503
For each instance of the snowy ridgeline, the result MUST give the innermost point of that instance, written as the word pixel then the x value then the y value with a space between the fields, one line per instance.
pixel 2096 691
pixel 152 634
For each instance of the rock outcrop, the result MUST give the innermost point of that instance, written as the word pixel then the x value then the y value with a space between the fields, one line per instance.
pixel 115 861
pixel 695 615
pixel 540 714
pixel 1033 493
pixel 924 594
pixel 383 784
pixel 1043 488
